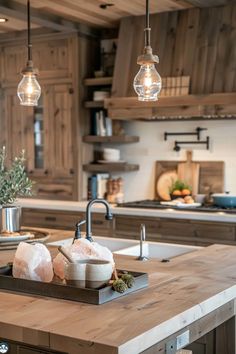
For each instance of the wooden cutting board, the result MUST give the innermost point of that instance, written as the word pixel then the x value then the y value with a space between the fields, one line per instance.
pixel 211 175
pixel 189 172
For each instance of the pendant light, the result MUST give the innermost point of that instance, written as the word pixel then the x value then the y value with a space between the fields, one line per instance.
pixel 29 89
pixel 147 82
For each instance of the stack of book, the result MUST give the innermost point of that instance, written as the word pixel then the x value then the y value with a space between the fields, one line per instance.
pixel 97 185
pixel 101 124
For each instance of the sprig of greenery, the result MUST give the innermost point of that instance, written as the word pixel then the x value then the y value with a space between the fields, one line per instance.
pixel 179 185
pixel 14 182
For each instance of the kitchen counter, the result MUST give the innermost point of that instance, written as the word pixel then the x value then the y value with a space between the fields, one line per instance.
pixel 165 213
pixel 191 291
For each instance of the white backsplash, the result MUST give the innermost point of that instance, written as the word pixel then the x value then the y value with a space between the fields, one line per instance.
pixel 152 147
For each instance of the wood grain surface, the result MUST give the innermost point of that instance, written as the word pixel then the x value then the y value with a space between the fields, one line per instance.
pixel 130 324
pixel 189 172
pixel 211 174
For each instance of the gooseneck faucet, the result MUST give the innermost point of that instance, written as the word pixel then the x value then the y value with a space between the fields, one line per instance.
pixel 108 215
pixel 142 239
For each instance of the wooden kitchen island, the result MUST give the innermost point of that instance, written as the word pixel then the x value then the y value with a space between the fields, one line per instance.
pixel 194 292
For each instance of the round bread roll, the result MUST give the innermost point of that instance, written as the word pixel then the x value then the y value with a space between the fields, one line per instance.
pixel 188 200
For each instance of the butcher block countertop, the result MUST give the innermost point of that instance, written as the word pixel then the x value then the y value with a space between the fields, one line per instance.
pixel 160 213
pixel 180 293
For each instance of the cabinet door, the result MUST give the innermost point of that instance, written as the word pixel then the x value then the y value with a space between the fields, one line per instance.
pixel 19 124
pixel 59 115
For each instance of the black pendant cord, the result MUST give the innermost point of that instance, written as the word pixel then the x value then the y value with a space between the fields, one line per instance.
pixel 29 34
pixel 147 29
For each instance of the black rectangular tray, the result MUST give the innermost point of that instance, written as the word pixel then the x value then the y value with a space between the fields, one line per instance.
pixel 63 291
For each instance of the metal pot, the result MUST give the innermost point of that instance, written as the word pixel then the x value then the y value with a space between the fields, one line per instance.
pixel 10 219
pixel 224 200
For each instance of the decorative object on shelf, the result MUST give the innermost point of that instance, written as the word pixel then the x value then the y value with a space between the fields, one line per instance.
pixel 14 183
pixel 147 82
pixel 108 54
pixel 115 191
pixel 29 89
pixel 197 133
pixel 178 148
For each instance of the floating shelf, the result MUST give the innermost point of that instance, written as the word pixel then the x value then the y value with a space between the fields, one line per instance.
pixel 94 104
pixel 98 81
pixel 116 139
pixel 110 167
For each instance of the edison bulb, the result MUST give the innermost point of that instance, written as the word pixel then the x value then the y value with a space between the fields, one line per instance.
pixel 29 90
pixel 147 83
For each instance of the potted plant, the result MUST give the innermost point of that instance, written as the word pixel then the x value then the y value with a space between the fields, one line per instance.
pixel 14 183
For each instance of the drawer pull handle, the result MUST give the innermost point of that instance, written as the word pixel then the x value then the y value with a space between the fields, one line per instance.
pixel 50 218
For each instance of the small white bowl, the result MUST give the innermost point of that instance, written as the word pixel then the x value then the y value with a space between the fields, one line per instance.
pixel 75 273
pixel 98 273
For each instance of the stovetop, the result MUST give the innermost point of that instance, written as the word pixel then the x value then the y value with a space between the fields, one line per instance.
pixel 155 204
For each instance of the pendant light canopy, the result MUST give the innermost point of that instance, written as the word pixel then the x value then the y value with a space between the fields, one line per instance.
pixel 147 82
pixel 29 89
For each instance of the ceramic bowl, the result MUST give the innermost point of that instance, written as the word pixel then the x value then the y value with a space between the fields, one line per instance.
pixel 89 273
pixel 98 273
pixel 111 154
pixel 75 273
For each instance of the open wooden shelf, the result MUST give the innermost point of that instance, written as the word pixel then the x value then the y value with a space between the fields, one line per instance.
pixel 98 81
pixel 94 104
pixel 207 106
pixel 115 139
pixel 110 167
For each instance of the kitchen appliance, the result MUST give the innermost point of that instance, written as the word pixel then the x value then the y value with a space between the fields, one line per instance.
pixel 155 204
pixel 224 200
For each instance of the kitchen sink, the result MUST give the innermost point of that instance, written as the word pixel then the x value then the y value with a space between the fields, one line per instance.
pixel 155 250
pixel 158 250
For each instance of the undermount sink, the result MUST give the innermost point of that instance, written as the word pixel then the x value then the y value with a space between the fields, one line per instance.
pixel 155 250
pixel 158 250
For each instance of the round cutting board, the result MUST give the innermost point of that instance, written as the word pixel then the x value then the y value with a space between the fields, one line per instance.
pixel 164 183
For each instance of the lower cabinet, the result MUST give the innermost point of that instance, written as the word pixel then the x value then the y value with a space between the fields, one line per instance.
pixel 10 347
pixel 66 220
pixel 189 232
pixel 199 233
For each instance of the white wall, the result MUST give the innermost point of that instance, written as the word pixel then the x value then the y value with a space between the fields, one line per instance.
pixel 152 147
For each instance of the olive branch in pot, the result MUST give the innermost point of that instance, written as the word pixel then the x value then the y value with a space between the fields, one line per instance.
pixel 14 182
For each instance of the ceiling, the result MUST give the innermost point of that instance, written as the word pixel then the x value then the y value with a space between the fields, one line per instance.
pixel 45 13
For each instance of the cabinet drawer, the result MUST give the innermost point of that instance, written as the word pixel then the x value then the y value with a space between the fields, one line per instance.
pixel 101 226
pixel 129 226
pixel 52 219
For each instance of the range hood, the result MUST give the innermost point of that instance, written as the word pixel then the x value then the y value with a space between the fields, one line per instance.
pixel 188 43
pixel 189 107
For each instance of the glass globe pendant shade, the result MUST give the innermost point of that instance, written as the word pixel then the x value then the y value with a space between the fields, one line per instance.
pixel 147 83
pixel 29 89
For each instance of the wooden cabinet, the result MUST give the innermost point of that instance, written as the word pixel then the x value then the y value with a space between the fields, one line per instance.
pixel 55 219
pixel 48 132
pixel 21 348
pixel 53 57
pixel 189 232
pixel 66 220
pixel 200 233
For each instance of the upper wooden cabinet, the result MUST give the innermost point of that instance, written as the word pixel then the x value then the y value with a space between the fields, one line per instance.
pixel 53 58
pixel 48 132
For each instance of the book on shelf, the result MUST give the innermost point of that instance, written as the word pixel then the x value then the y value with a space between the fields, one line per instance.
pixel 101 124
pixel 97 185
